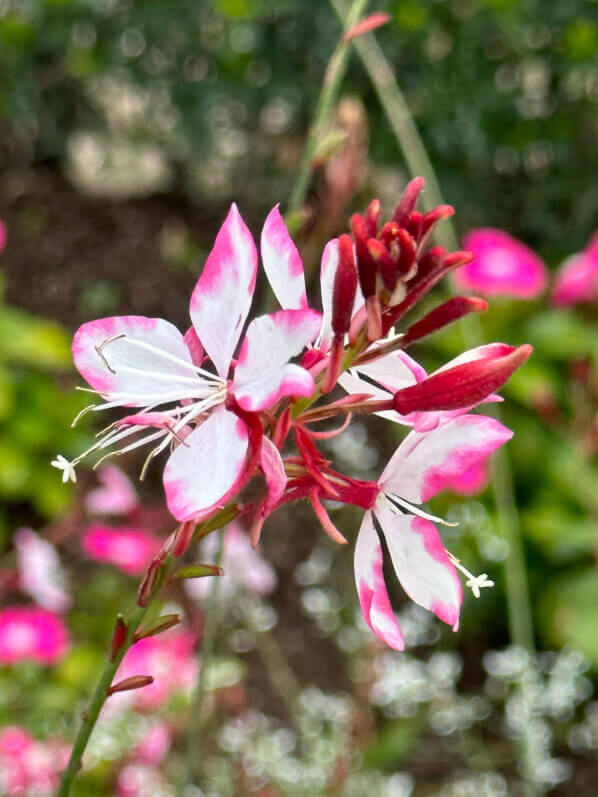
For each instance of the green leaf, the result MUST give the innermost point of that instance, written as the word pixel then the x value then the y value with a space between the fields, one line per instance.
pixel 26 340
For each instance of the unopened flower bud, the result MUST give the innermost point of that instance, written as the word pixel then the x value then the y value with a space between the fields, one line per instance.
pixel 407 202
pixel 461 386
pixel 198 571
pixel 439 317
pixel 182 538
pixel 134 682
pixel 118 637
pixel 387 268
pixel 157 626
pixel 366 269
pixel 345 287
pixel 372 218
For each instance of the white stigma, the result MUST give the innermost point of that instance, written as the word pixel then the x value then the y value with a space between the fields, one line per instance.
pixel 475 583
pixel 67 468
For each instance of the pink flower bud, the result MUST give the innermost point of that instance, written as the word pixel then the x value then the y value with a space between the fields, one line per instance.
pixel 407 202
pixel 134 682
pixel 372 217
pixel 444 314
pixel 463 385
pixel 118 637
pixel 365 267
pixel 387 268
pixel 182 538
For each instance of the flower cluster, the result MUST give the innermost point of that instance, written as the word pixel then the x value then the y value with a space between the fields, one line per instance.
pixel 225 410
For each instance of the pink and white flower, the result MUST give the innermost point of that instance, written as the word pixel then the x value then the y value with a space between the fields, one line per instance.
pixel 502 266
pixel 133 361
pixel 40 572
pixel 576 280
pixel 421 466
pixel 30 633
pixel 472 481
pixel 126 547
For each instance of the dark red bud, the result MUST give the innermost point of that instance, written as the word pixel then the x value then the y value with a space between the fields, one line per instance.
pixel 335 364
pixel 415 224
pixel 462 386
pixel 431 260
pixel 457 259
pixel 365 268
pixel 444 314
pixel 389 233
pixel 407 251
pixel 150 582
pixel 387 268
pixel 157 626
pixel 435 215
pixel 345 287
pixel 372 217
pixel 182 538
pixel 118 637
pixel 134 682
pixel 407 202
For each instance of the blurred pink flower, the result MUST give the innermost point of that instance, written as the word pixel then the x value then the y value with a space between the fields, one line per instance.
pixel 169 658
pixel 503 266
pixel 138 780
pixel 30 633
pixel 130 549
pixel 29 767
pixel 472 481
pixel 243 566
pixel 154 745
pixel 3 235
pixel 116 496
pixel 40 572
pixel 576 280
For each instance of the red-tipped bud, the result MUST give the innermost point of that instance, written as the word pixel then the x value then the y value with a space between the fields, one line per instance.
pixel 407 202
pixel 374 21
pixel 151 581
pixel 182 538
pixel 335 364
pixel 407 251
pixel 462 386
pixel 435 215
pixel 415 224
pixel 157 626
pixel 365 268
pixel 385 265
pixel 118 637
pixel 374 313
pixel 444 314
pixel 198 571
pixel 431 260
pixel 457 259
pixel 345 287
pixel 372 218
pixel 389 233
pixel 134 682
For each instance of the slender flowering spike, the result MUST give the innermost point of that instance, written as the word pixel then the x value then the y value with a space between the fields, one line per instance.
pixel 444 314
pixel 502 266
pixel 464 385
pixel 422 465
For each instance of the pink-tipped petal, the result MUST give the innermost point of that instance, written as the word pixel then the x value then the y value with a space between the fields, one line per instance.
pixel 369 580
pixel 273 468
pixel 202 472
pixel 426 463
pixel 502 265
pixel 421 563
pixel 282 263
pixel 107 356
pixel 330 258
pixel 222 297
pixel 263 374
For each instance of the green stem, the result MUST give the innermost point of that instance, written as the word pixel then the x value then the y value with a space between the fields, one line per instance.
pixel 208 645
pixel 90 716
pixel 332 79
pixel 401 122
